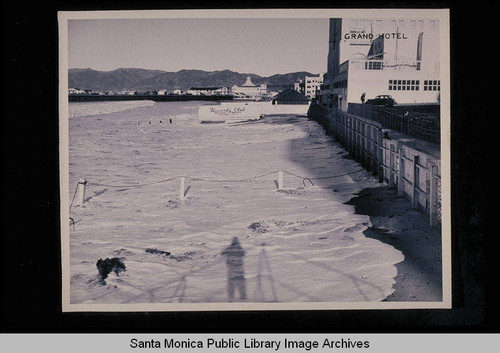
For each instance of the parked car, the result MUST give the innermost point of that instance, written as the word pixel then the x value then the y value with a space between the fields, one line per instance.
pixel 384 99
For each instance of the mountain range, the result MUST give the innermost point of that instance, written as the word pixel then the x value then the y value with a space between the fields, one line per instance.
pixel 149 80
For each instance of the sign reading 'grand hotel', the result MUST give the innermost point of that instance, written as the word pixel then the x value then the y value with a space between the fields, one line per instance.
pixel 394 35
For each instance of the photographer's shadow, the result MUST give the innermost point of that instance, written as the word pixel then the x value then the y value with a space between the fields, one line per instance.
pixel 235 272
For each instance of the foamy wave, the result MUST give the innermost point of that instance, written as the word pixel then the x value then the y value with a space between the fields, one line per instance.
pixel 94 108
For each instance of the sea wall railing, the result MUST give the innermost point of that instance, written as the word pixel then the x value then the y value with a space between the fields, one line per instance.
pixel 411 123
pixel 415 174
pixel 418 124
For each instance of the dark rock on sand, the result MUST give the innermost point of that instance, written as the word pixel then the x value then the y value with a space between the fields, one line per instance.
pixel 105 267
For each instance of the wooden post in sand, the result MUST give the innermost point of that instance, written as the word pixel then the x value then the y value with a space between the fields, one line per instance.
pixel 81 192
pixel 280 180
pixel 182 189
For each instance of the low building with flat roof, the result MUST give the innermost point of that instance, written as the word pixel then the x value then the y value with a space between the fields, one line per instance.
pixel 290 96
pixel 209 91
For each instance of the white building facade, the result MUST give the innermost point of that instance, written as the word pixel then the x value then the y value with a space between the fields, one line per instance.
pixel 249 91
pixel 312 85
pixel 397 57
pixel 299 85
pixel 76 91
pixel 208 91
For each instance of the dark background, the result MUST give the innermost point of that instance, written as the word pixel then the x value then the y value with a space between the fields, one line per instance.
pixel 30 249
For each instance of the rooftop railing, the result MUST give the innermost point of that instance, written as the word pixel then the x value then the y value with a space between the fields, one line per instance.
pixel 390 65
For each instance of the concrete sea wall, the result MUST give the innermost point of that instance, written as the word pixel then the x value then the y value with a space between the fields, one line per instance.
pixel 411 165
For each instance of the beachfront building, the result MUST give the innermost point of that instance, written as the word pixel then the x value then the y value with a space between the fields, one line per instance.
pixel 249 90
pixel 278 87
pixel 73 91
pixel 209 91
pixel 126 93
pixel 299 86
pixel 312 85
pixel 291 97
pixel 398 57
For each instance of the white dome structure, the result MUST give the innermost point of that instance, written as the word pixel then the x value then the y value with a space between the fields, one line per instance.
pixel 248 83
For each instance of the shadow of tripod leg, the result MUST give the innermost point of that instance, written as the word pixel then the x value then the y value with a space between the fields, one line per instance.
pixel 230 289
pixel 271 278
pixel 242 288
pixel 264 271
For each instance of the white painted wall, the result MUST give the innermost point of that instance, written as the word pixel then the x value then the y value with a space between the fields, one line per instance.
pixel 227 111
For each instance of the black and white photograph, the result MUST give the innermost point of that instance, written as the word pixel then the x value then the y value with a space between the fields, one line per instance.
pixel 255 160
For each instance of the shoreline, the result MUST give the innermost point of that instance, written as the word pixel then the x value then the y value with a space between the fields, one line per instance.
pixel 160 98
pixel 394 222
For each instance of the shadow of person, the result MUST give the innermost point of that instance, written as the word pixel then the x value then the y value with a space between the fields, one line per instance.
pixel 235 274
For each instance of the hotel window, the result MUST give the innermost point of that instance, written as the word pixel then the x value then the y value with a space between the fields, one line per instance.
pixel 432 85
pixel 404 85
pixel 374 65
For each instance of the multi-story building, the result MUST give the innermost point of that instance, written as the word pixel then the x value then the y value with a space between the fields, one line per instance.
pixel 398 57
pixel 312 85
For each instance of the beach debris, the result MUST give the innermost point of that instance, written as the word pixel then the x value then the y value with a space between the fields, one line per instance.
pixel 156 251
pixel 122 252
pixel 105 267
pixel 183 257
pixel 259 227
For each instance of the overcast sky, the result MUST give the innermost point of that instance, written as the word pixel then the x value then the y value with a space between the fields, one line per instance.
pixel 261 46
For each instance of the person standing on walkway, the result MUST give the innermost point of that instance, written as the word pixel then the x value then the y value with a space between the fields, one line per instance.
pixel 235 274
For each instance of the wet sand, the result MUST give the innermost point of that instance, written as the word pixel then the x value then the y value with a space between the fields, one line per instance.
pixel 394 222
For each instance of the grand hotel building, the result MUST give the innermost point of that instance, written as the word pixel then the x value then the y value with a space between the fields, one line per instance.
pixel 399 57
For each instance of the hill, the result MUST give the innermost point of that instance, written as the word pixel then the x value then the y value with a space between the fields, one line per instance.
pixel 146 80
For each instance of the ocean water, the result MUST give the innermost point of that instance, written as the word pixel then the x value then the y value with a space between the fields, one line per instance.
pixel 301 243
